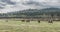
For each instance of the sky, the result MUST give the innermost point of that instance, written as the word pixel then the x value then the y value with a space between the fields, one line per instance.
pixel 18 5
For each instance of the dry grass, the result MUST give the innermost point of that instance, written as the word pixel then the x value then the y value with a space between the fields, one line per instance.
pixel 34 26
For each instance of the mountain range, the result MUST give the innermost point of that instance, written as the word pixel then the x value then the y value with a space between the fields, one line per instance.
pixel 33 12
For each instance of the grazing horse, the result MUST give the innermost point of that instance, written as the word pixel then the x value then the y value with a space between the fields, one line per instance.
pixel 50 20
pixel 38 21
pixel 27 20
pixel 6 20
pixel 23 20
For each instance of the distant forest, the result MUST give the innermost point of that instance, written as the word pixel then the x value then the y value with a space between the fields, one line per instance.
pixel 33 13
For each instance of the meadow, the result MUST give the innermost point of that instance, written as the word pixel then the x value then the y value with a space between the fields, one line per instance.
pixel 32 26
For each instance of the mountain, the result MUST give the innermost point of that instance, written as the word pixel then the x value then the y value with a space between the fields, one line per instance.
pixel 34 12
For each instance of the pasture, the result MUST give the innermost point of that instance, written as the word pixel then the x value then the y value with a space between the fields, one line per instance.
pixel 32 26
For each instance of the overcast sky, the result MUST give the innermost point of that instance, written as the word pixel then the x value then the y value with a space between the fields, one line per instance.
pixel 16 5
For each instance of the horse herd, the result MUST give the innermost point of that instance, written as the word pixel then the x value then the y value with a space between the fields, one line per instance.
pixel 39 21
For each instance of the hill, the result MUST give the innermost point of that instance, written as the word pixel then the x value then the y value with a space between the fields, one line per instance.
pixel 33 12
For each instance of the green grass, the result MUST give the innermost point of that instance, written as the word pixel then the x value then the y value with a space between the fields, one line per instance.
pixel 33 26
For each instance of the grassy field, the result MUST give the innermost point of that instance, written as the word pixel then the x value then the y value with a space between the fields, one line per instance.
pixel 33 26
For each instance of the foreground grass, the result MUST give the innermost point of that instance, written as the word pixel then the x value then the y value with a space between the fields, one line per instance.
pixel 18 26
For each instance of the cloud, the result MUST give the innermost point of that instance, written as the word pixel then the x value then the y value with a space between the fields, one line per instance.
pixel 8 2
pixel 44 3
pixel 17 5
